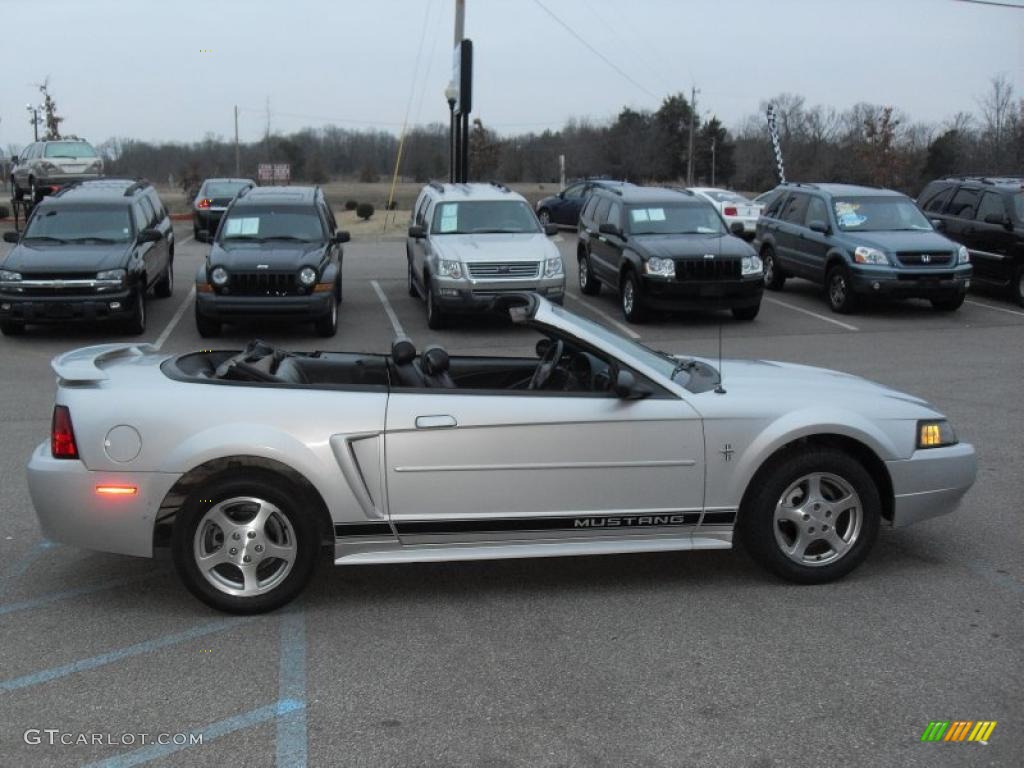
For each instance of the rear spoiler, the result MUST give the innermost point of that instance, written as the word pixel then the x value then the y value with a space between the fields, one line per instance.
pixel 83 365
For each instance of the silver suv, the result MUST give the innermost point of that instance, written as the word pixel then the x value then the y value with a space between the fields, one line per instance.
pixel 468 243
pixel 46 166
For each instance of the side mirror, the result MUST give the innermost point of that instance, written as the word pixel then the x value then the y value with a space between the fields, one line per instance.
pixel 12 237
pixel 609 229
pixel 995 218
pixel 626 387
pixel 819 226
pixel 341 236
pixel 550 229
pixel 939 224
pixel 736 228
pixel 417 232
pixel 149 236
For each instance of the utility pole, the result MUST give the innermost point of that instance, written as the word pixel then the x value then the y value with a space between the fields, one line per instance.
pixel 459 124
pixel 561 171
pixel 238 159
pixel 693 128
pixel 460 21
pixel 712 161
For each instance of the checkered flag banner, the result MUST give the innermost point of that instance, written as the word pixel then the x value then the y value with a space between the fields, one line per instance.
pixel 773 131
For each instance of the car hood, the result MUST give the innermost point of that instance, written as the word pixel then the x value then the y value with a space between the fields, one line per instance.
pixel 495 247
pixel 689 246
pixel 276 256
pixel 53 258
pixel 903 241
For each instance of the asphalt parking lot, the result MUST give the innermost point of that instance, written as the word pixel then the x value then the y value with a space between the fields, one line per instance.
pixel 688 659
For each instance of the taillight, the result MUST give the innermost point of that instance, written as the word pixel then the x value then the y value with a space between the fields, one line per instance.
pixel 730 210
pixel 204 203
pixel 62 434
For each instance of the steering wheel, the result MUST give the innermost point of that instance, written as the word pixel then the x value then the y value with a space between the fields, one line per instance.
pixel 546 366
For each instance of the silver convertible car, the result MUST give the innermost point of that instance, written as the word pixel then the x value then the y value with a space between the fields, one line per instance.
pixel 249 464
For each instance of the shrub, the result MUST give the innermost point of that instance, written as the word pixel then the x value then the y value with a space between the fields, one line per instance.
pixel 351 205
pixel 364 211
pixel 4 213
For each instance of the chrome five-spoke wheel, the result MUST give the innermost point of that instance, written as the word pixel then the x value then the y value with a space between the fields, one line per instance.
pixel 818 519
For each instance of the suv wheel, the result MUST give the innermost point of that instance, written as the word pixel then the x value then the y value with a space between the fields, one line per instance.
pixel 327 325
pixel 435 317
pixel 545 217
pixel 136 324
pixel 206 326
pixel 1017 285
pixel 774 278
pixel 746 314
pixel 11 328
pixel 33 193
pixel 632 299
pixel 589 284
pixel 841 297
pixel 19 193
pixel 165 286
pixel 950 304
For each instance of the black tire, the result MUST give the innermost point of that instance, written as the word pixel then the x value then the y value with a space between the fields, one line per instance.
pixel 291 504
pixel 839 291
pixel 746 314
pixel 589 284
pixel 33 193
pixel 1017 285
pixel 136 324
pixel 207 327
pixel 412 283
pixel 195 233
pixel 951 304
pixel 164 287
pixel 11 328
pixel 327 325
pixel 631 298
pixel 19 193
pixel 774 277
pixel 544 215
pixel 436 319
pixel 762 535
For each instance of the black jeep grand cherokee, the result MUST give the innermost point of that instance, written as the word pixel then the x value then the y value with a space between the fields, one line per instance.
pixel 276 254
pixel 665 249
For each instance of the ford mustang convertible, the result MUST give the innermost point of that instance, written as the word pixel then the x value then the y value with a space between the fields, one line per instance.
pixel 258 461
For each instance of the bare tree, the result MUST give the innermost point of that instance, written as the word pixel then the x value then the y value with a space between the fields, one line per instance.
pixel 998 111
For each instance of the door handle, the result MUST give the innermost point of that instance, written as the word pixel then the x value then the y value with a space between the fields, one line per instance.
pixel 435 422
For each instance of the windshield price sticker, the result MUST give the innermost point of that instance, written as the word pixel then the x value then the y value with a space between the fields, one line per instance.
pixel 243 226
pixel 449 217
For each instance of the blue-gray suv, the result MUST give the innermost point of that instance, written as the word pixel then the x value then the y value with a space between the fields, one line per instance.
pixel 859 242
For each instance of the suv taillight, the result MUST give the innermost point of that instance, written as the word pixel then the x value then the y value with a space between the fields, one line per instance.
pixel 730 210
pixel 204 203
pixel 62 434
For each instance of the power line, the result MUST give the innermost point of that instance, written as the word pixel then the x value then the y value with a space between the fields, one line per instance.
pixel 993 2
pixel 594 50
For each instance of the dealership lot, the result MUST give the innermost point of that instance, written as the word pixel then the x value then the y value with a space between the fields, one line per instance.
pixel 673 659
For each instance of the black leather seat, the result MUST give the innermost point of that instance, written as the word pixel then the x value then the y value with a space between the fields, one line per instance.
pixel 434 364
pixel 403 356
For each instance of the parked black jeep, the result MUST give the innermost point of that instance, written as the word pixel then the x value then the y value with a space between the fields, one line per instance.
pixel 987 216
pixel 665 249
pixel 276 253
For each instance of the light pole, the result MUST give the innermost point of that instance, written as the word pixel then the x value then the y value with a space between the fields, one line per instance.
pixel 35 121
pixel 450 94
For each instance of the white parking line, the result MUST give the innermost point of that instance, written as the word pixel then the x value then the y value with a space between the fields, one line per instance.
pixel 997 309
pixel 795 308
pixel 174 320
pixel 624 328
pixel 188 239
pixel 387 309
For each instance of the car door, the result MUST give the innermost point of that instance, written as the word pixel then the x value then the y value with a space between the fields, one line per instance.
pixel 959 215
pixel 602 256
pixel 991 239
pixel 22 168
pixel 788 241
pixel 814 246
pixel 146 253
pixel 419 247
pixel 567 210
pixel 477 465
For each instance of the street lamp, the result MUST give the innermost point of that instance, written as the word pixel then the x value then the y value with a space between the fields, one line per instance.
pixel 35 120
pixel 450 94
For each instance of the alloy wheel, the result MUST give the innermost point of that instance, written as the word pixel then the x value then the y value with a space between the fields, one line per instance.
pixel 818 519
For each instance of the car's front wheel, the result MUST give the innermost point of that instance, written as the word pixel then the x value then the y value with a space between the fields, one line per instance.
pixel 1017 285
pixel 811 517
pixel 207 327
pixel 950 304
pixel 632 299
pixel 11 328
pixel 435 316
pixel 589 284
pixel 774 278
pixel 746 314
pixel 327 325
pixel 136 324
pixel 19 193
pixel 245 542
pixel 841 297
pixel 165 286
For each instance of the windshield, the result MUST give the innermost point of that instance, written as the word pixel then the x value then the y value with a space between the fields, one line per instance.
pixel 484 216
pixel 72 150
pixel 678 219
pixel 879 214
pixel 262 224
pixel 79 224
pixel 223 188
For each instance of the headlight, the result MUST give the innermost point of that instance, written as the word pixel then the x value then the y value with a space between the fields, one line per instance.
pixel 448 268
pixel 307 276
pixel 553 267
pixel 752 265
pixel 935 434
pixel 219 276
pixel 660 267
pixel 863 255
pixel 112 274
pixel 963 256
pixel 6 276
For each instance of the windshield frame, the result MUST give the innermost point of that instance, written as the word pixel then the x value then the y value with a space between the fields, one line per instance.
pixel 875 199
pixel 435 217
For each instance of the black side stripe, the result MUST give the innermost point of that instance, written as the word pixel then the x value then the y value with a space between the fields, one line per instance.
pixel 718 518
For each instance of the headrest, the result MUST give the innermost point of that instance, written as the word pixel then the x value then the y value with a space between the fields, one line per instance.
pixel 403 351
pixel 434 361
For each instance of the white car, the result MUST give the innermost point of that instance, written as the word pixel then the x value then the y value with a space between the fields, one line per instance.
pixel 733 207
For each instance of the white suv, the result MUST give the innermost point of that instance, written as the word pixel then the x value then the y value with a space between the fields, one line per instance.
pixel 469 243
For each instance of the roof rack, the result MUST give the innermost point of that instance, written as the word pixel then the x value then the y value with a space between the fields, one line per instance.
pixel 500 186
pixel 436 185
pixel 136 186
pixel 805 184
pixel 991 180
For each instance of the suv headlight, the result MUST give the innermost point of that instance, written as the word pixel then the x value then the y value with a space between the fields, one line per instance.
pixel 219 276
pixel 307 276
pixel 963 256
pixel 752 265
pixel 553 267
pixel 863 255
pixel 6 276
pixel 112 274
pixel 449 268
pixel 935 434
pixel 660 267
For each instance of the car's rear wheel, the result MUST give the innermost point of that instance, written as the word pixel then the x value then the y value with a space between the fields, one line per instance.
pixel 19 193
pixel 435 316
pixel 11 328
pixel 245 542
pixel 207 327
pixel 327 325
pixel 746 314
pixel 950 304
pixel 774 277
pixel 136 324
pixel 165 286
pixel 841 297
pixel 632 299
pixel 1017 285
pixel 589 284
pixel 811 517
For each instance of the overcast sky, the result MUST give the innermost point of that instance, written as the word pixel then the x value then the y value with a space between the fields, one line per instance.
pixel 138 68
